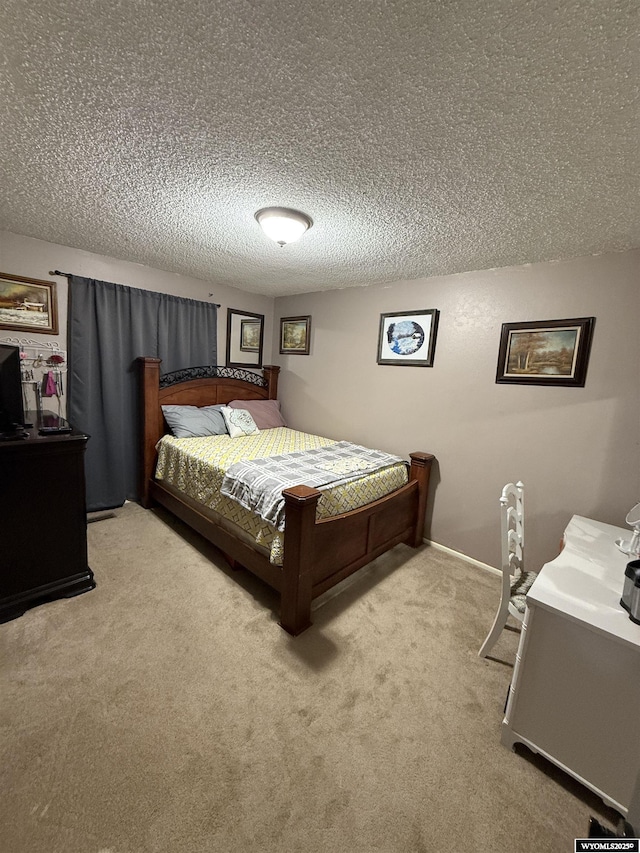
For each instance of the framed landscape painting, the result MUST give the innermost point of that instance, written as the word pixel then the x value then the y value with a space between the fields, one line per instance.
pixel 295 335
pixel 28 304
pixel 545 352
pixel 250 335
pixel 408 337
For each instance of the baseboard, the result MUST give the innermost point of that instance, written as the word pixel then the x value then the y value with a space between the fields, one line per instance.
pixel 464 557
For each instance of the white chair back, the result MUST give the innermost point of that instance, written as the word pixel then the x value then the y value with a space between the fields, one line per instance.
pixel 516 582
pixel 512 520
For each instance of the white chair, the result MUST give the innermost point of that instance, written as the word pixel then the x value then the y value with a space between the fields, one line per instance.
pixel 516 582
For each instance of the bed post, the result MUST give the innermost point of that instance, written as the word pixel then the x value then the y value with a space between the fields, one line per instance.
pixel 296 593
pixel 150 421
pixel 420 470
pixel 270 373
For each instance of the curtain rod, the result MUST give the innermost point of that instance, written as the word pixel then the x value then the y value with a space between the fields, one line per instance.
pixel 69 274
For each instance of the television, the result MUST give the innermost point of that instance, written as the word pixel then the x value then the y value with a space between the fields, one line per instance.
pixel 11 405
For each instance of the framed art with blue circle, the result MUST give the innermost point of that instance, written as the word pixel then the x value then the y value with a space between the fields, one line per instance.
pixel 408 337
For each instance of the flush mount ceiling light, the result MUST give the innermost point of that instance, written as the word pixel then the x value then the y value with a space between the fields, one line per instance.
pixel 283 224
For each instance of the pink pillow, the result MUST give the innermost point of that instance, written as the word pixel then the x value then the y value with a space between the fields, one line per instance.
pixel 266 413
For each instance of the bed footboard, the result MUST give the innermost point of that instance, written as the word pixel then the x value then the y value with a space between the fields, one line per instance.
pixel 320 554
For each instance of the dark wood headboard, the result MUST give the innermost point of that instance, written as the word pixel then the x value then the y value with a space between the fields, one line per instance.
pixel 194 386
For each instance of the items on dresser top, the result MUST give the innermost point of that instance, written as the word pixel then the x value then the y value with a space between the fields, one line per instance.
pixel 631 547
pixel 49 423
pixel 631 591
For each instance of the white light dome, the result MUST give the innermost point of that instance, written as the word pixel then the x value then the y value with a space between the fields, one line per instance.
pixel 283 224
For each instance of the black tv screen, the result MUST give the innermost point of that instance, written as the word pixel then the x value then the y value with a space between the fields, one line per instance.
pixel 11 406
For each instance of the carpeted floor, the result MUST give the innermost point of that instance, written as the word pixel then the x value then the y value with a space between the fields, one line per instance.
pixel 166 712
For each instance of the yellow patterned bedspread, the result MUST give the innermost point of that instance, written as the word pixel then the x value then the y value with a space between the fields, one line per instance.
pixel 197 467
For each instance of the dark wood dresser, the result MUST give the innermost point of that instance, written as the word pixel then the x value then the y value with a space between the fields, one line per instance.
pixel 43 520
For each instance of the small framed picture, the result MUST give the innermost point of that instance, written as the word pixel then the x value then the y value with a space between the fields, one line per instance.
pixel 250 335
pixel 28 304
pixel 408 337
pixel 545 352
pixel 295 335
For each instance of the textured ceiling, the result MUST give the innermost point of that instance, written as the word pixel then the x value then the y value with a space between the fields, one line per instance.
pixel 423 137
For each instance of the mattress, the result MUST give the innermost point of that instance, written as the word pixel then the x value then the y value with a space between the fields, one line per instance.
pixel 196 468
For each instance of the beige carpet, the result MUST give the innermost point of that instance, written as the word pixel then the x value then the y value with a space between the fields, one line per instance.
pixel 166 712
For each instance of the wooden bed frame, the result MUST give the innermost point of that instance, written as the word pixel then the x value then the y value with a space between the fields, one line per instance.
pixel 317 554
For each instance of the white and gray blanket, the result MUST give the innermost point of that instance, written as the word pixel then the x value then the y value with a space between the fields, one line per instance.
pixel 257 484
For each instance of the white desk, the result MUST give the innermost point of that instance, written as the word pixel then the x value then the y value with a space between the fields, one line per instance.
pixel 575 692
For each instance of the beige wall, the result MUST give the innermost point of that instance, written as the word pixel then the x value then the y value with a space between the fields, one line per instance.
pixel 34 258
pixel 576 449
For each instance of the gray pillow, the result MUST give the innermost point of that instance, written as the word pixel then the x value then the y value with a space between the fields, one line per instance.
pixel 193 421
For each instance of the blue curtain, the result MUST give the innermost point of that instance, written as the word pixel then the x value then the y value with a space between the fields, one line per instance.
pixel 110 325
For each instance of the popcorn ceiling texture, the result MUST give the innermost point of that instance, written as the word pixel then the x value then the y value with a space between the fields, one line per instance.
pixel 422 137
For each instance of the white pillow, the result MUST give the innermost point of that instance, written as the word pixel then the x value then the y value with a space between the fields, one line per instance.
pixel 239 422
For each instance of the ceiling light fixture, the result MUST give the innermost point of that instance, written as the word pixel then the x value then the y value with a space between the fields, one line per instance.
pixel 283 224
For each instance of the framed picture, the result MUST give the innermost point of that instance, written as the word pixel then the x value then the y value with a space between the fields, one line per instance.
pixel 28 304
pixel 295 335
pixel 408 337
pixel 545 352
pixel 250 335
